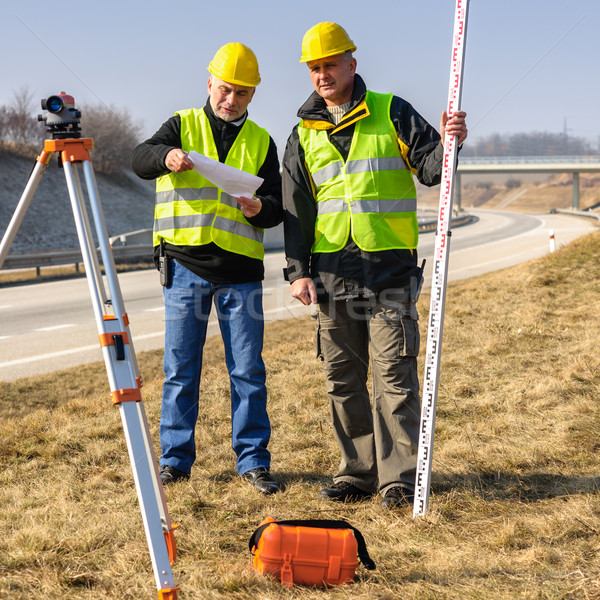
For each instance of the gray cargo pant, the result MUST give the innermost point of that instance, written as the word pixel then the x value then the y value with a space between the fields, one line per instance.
pixel 378 443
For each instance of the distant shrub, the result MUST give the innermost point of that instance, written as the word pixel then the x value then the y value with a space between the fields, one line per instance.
pixel 484 185
pixel 513 183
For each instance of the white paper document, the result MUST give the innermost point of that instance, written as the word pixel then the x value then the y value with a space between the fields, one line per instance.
pixel 231 180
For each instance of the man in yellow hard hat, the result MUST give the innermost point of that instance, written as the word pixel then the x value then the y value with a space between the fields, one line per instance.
pixel 209 248
pixel 351 246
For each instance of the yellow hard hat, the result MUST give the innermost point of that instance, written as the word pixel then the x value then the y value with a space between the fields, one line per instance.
pixel 325 39
pixel 235 63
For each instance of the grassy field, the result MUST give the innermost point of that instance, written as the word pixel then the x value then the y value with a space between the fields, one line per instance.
pixel 515 505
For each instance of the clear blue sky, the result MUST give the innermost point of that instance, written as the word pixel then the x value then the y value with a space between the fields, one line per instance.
pixel 531 65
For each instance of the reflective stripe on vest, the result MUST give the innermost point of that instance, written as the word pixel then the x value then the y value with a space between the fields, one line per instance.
pixel 197 221
pixel 192 211
pixel 384 163
pixel 372 195
pixel 334 205
pixel 187 194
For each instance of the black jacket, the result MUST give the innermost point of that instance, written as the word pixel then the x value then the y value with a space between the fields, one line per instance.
pixel 209 261
pixel 351 272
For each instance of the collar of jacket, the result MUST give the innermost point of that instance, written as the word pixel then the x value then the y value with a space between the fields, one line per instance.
pixel 314 113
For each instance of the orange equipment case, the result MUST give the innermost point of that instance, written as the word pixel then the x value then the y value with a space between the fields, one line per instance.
pixel 309 552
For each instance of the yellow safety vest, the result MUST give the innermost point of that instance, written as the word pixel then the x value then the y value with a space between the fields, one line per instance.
pixel 372 195
pixel 192 211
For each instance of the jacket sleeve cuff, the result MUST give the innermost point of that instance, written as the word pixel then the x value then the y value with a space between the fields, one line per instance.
pixel 296 270
pixel 270 214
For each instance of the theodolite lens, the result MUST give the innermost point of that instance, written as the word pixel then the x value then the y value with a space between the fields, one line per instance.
pixel 54 104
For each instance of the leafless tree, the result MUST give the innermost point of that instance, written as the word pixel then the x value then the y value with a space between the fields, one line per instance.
pixel 115 136
pixel 21 125
pixel 3 124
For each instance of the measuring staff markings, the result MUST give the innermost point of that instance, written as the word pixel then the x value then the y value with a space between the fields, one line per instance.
pixel 440 273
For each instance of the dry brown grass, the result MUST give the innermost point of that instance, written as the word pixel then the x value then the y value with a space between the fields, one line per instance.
pixel 515 508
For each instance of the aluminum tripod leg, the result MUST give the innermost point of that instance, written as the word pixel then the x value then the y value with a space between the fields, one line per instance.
pixel 124 380
pixel 22 207
pixel 117 348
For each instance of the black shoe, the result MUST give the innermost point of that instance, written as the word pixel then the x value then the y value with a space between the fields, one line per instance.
pixel 169 474
pixel 398 497
pixel 342 491
pixel 261 479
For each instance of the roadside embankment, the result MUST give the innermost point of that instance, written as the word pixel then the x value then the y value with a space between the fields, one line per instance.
pixel 127 203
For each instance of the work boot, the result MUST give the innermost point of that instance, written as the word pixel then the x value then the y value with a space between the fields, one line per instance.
pixel 342 491
pixel 169 474
pixel 262 480
pixel 398 497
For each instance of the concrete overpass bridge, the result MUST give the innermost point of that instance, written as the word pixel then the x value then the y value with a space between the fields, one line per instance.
pixel 526 164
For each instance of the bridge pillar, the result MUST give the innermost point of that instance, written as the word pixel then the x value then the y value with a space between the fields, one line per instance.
pixel 575 191
pixel 456 200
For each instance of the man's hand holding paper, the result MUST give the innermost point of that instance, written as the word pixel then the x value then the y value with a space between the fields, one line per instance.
pixel 250 207
pixel 177 161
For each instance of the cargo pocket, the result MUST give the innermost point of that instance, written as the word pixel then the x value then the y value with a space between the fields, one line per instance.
pixel 411 335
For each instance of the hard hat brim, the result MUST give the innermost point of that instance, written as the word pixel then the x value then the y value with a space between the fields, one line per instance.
pixel 233 81
pixel 318 56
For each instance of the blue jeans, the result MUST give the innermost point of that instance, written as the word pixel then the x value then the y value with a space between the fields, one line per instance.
pixel 188 300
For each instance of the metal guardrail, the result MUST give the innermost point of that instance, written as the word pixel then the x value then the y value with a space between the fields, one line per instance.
pixel 69 257
pixel 426 226
pixel 578 213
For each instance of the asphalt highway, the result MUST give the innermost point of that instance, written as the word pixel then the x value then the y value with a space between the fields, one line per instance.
pixel 50 326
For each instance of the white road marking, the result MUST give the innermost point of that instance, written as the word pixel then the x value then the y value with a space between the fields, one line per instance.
pixel 148 336
pixel 55 327
pixel 21 361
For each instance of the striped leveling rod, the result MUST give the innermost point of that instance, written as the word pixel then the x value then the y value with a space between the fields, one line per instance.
pixel 440 272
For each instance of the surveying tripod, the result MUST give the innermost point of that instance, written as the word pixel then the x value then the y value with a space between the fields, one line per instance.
pixel 113 325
